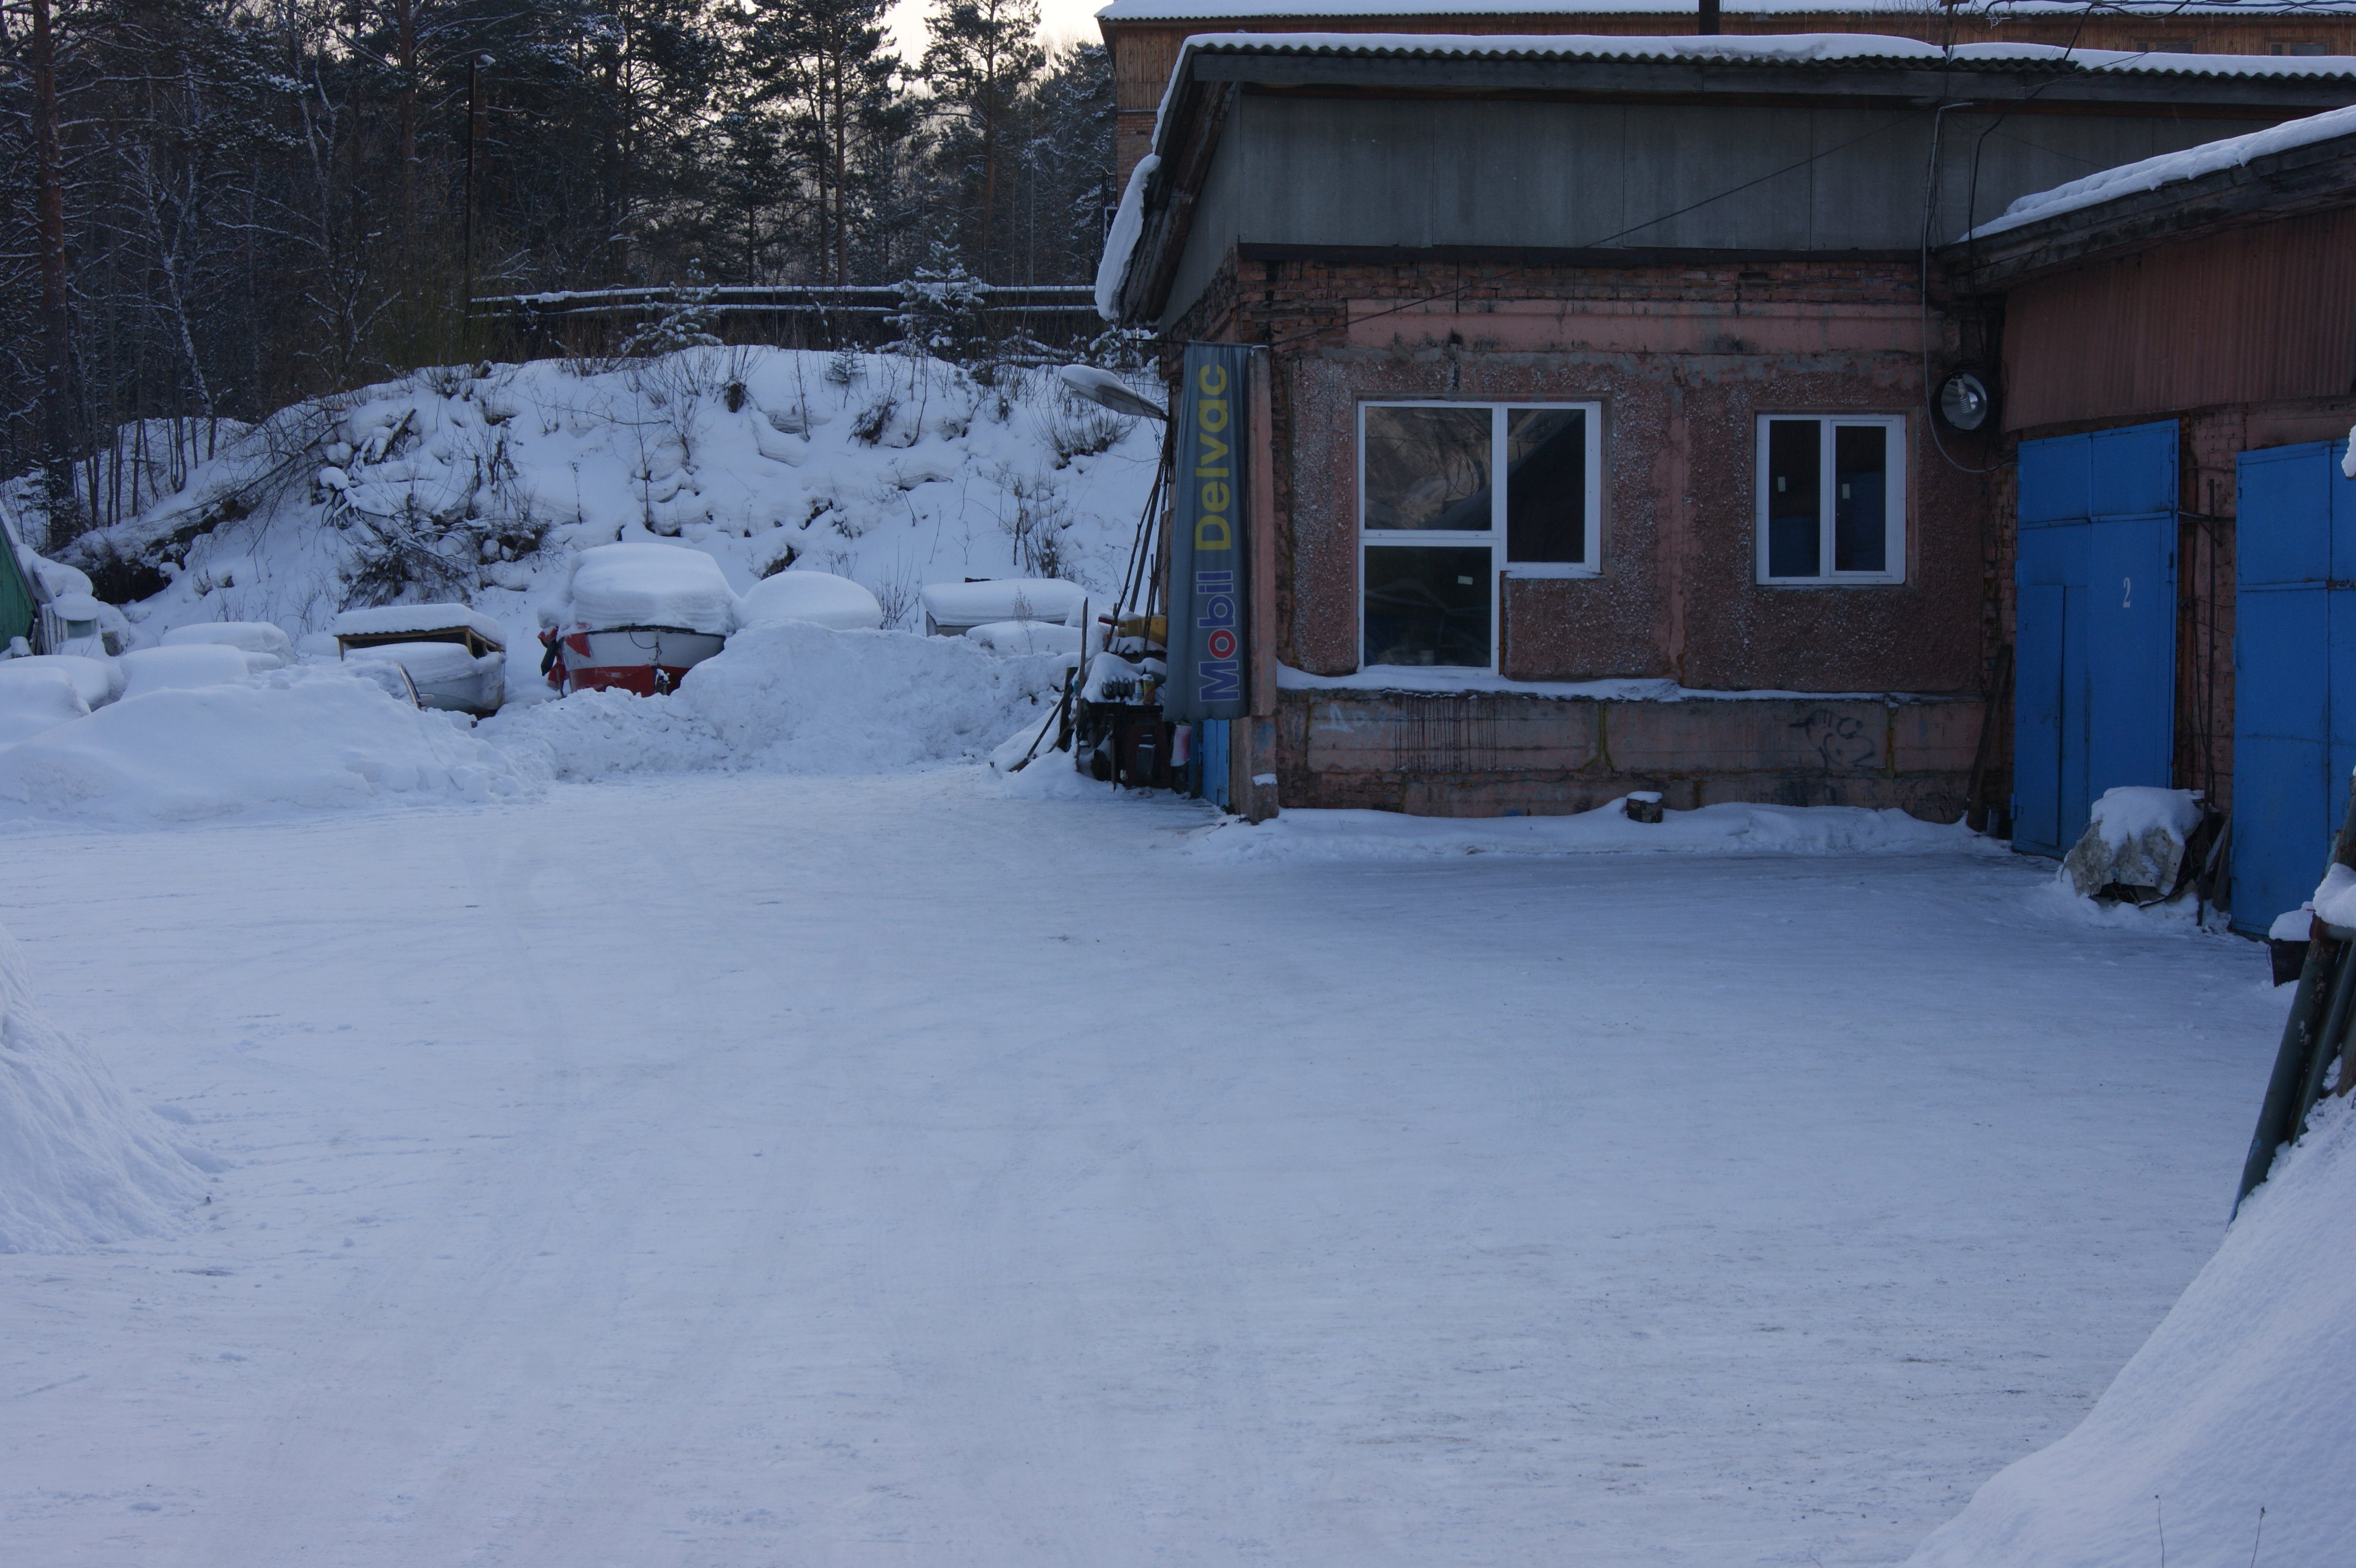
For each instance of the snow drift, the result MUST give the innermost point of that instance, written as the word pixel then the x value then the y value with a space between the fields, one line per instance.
pixel 306 737
pixel 796 697
pixel 2243 1398
pixel 80 1165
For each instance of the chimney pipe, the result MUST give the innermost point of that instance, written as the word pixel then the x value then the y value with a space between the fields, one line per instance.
pixel 1709 25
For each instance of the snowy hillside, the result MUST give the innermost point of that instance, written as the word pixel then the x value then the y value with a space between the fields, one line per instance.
pixel 893 470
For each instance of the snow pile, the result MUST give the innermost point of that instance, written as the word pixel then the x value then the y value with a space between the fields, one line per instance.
pixel 308 738
pixel 1006 599
pixel 100 681
pixel 184 665
pixel 2335 896
pixel 820 597
pixel 1027 636
pixel 792 696
pixel 35 700
pixel 252 636
pixel 450 487
pixel 2150 174
pixel 2243 1398
pixel 80 1166
pixel 2129 811
pixel 618 586
pixel 1712 829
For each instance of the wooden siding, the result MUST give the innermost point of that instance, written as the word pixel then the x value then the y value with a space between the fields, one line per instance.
pixel 2256 314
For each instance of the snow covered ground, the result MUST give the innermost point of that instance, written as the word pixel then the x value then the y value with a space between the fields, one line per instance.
pixel 748 1168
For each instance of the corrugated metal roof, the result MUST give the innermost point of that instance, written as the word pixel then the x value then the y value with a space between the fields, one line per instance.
pixel 1833 50
pixel 1243 10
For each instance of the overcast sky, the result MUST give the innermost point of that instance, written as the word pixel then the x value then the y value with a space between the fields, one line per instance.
pixel 1060 22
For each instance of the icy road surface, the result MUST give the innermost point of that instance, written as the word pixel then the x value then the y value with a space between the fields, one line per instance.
pixel 774 1171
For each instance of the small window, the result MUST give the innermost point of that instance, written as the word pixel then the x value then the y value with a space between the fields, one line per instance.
pixel 1438 530
pixel 1832 499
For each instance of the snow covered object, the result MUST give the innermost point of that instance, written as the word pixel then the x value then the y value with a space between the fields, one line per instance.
pixel 820 597
pixel 455 656
pixel 952 609
pixel 2134 843
pixel 637 617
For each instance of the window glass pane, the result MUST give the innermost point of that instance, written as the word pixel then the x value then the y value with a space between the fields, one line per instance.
pixel 1860 497
pixel 1427 606
pixel 1428 467
pixel 1546 484
pixel 1794 523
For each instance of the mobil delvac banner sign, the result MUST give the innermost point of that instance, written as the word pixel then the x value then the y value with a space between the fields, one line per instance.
pixel 1208 671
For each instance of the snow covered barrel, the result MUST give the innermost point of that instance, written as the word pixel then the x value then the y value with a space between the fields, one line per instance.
pixel 637 617
pixel 454 655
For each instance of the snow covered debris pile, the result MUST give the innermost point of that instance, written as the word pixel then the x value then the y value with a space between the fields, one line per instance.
pixel 2243 1398
pixel 820 597
pixel 80 1165
pixel 798 697
pixel 1711 830
pixel 2134 843
pixel 306 737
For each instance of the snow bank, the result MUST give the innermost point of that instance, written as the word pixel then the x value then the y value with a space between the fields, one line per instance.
pixel 1712 829
pixel 80 1165
pixel 820 597
pixel 650 584
pixel 100 681
pixel 2243 1398
pixel 796 697
pixel 188 665
pixel 33 701
pixel 252 636
pixel 305 738
pixel 391 620
pixel 1027 636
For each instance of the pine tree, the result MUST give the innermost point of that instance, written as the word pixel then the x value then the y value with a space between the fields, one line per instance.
pixel 984 54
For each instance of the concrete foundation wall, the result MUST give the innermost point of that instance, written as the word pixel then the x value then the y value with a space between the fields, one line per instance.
pixel 1486 755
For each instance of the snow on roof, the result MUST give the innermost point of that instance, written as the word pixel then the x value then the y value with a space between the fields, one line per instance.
pixel 2167 168
pixel 616 585
pixel 383 620
pixel 1120 240
pixel 1237 10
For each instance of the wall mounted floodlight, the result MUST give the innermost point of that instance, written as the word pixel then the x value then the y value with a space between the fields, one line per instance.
pixel 1965 402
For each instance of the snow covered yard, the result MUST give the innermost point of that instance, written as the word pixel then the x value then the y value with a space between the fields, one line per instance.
pixel 750 1169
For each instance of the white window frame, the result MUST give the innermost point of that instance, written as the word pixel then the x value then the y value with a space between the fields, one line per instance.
pixel 1895 549
pixel 1495 536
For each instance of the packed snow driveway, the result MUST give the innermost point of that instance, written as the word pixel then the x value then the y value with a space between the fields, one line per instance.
pixel 753 1170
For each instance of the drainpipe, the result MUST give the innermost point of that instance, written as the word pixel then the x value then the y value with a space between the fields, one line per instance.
pixel 1708 24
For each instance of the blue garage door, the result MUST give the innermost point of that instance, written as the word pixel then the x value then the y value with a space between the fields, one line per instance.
pixel 2095 660
pixel 2294 673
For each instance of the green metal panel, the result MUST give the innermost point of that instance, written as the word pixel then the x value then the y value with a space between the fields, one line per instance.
pixel 16 607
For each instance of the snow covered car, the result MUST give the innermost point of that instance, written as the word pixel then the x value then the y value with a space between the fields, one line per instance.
pixel 637 617
pixel 456 656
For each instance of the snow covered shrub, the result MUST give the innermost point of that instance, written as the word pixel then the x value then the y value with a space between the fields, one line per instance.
pixel 1036 520
pixel 1077 428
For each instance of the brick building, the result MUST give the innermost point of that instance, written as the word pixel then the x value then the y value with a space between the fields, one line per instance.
pixel 2178 376
pixel 1598 430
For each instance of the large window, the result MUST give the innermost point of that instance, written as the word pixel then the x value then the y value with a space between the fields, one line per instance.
pixel 1438 530
pixel 1832 499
